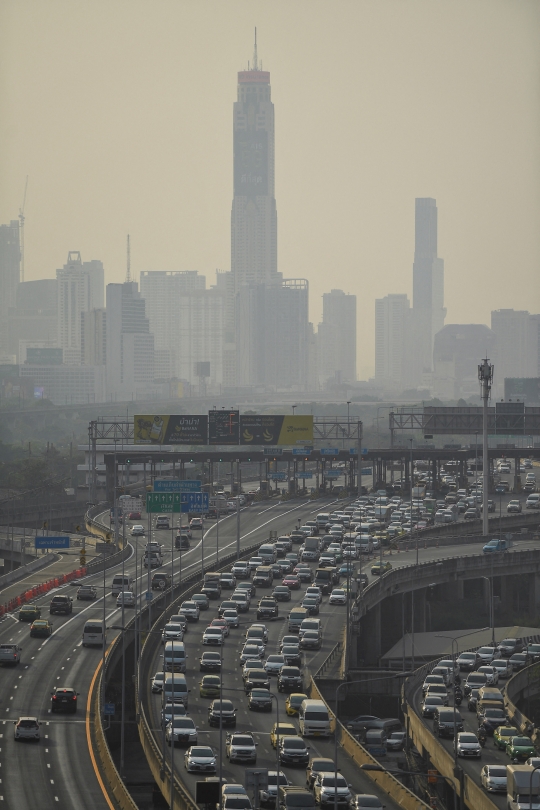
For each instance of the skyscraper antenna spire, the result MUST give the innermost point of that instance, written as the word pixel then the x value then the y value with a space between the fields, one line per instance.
pixel 128 269
pixel 255 63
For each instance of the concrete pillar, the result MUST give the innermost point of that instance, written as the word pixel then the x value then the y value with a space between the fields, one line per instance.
pixel 534 594
pixel 370 637
pixel 420 610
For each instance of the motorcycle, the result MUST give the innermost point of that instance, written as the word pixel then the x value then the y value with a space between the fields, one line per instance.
pixel 458 700
pixel 482 737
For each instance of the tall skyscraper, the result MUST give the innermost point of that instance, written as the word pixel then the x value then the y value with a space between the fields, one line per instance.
pixel 130 344
pixel 337 339
pixel 428 288
pixel 518 345
pixel 10 276
pixel 94 337
pixel 253 217
pixel 80 288
pixel 392 322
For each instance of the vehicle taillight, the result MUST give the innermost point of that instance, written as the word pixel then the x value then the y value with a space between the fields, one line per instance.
pixel 74 697
pixel 54 697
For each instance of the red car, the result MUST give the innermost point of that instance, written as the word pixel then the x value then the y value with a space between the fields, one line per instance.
pixel 222 624
pixel 292 581
pixel 134 516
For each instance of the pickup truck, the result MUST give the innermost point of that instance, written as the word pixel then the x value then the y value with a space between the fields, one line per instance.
pixel 10 654
pixel 497 545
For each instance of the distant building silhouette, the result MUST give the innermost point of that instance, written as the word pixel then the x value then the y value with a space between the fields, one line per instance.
pixel 10 275
pixel 337 339
pixel 392 341
pixel 428 312
pixel 130 344
pixel 80 288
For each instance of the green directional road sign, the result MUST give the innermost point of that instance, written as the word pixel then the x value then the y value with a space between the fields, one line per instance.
pixel 163 501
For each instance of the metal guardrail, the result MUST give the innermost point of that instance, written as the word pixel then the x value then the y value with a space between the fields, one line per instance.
pixel 336 651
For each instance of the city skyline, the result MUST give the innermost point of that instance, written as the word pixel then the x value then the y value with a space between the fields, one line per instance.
pixel 159 165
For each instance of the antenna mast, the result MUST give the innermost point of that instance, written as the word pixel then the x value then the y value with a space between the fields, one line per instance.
pixel 21 228
pixel 255 63
pixel 128 271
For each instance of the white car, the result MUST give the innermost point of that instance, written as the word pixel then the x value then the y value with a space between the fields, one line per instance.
pixel 273 664
pixel 231 617
pixel 491 673
pixel 201 759
pixel 125 598
pixel 488 654
pixel 503 667
pixel 467 745
pixel 314 592
pixel 137 531
pixel 493 778
pixel 338 597
pixel 184 731
pixel 172 632
pixel 213 635
pixel 157 682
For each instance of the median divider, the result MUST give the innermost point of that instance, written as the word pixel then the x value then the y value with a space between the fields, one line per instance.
pixel 392 786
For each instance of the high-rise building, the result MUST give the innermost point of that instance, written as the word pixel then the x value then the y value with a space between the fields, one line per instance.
pixel 457 351
pixel 10 276
pixel 80 288
pixel 253 217
pixel 392 336
pixel 337 339
pixel 428 289
pixel 187 321
pixel 33 320
pixel 130 344
pixel 518 339
pixel 94 337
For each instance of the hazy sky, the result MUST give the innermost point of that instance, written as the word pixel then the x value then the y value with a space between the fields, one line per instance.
pixel 120 112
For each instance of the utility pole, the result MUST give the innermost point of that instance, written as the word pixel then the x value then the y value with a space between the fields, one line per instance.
pixel 485 378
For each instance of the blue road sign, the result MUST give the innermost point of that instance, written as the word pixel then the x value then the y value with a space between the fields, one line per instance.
pixel 330 451
pixel 333 473
pixel 277 476
pixel 149 596
pixel 354 451
pixel 301 451
pixel 195 502
pixel 172 485
pixel 304 475
pixel 109 708
pixel 52 542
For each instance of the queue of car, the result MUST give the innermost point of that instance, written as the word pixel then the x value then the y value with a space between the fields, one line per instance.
pixel 260 668
pixel 482 670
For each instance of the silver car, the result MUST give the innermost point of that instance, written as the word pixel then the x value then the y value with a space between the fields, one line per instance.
pixel 493 778
pixel 27 728
pixel 201 759
pixel 181 730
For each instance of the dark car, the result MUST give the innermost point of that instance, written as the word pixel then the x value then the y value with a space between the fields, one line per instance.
pixel 212 589
pixel 296 798
pixel 290 679
pixel 223 709
pixel 182 541
pixel 366 722
pixel 257 679
pixel 64 699
pixel 210 662
pixel 518 660
pixel 282 593
pixel 161 581
pixel 293 751
pixel 260 700
pixel 492 719
pixel 267 608
pixel 292 655
pixel 229 604
pixel 61 604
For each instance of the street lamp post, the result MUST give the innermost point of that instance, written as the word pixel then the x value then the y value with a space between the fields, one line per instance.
pixel 485 378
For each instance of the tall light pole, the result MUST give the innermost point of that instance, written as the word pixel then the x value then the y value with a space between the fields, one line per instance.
pixel 294 407
pixel 348 420
pixel 485 378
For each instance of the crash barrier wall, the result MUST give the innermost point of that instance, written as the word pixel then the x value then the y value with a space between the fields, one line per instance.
pixel 99 529
pixel 524 681
pixel 23 570
pixel 413 577
pixel 392 786
pixel 38 590
pixel 112 782
pixel 329 661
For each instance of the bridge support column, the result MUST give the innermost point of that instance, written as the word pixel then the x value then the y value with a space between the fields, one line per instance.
pixel 420 610
pixel 534 594
pixel 370 637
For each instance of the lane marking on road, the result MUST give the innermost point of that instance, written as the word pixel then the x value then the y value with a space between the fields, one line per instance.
pixel 89 738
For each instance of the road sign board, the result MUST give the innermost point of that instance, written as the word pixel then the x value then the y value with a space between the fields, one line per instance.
pixel 105 548
pixel 301 451
pixel 149 596
pixel 273 451
pixel 329 451
pixel 354 451
pixel 164 501
pixel 109 708
pixel 304 475
pixel 195 502
pixel 333 473
pixel 257 778
pixel 277 476
pixel 52 542
pixel 173 485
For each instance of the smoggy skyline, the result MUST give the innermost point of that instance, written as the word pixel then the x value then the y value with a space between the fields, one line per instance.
pixel 120 113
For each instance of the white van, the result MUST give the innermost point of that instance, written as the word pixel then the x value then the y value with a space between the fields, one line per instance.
pixel 122 583
pixel 174 657
pixel 94 634
pixel 314 718
pixel 175 688
pixel 268 553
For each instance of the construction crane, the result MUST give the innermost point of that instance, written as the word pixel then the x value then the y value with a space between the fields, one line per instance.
pixel 21 228
pixel 128 270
